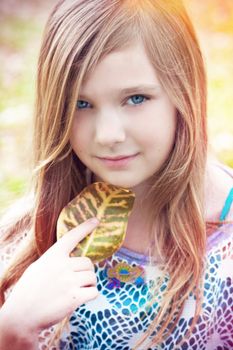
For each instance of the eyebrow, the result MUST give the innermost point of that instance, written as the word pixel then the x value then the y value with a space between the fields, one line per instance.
pixel 140 88
pixel 150 88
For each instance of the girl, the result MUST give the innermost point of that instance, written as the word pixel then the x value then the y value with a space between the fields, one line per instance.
pixel 121 98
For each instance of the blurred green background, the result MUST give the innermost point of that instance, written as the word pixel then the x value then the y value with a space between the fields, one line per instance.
pixel 22 23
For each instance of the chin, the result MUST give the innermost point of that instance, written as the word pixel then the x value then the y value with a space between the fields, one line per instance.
pixel 121 181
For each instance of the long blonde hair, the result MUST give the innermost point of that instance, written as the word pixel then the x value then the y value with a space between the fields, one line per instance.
pixel 77 35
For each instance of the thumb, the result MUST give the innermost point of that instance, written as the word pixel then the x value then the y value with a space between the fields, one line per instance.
pixel 70 240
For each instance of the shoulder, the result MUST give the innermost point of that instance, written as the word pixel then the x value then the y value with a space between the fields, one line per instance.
pixel 220 253
pixel 219 184
pixel 15 212
pixel 220 196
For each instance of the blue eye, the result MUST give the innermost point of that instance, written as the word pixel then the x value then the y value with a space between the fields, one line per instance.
pixel 82 104
pixel 137 99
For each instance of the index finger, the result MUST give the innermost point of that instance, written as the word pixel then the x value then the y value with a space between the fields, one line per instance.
pixel 70 240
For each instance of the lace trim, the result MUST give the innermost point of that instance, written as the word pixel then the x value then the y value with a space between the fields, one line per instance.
pixel 6 254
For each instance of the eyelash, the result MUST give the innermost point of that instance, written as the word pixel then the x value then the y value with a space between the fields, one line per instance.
pixel 145 98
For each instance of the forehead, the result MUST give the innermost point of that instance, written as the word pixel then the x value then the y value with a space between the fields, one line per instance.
pixel 125 67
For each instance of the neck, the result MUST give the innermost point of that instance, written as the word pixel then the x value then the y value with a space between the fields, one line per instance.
pixel 138 235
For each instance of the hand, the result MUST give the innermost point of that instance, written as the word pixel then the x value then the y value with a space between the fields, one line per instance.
pixel 52 287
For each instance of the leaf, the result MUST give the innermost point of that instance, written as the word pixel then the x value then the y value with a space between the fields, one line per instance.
pixel 112 205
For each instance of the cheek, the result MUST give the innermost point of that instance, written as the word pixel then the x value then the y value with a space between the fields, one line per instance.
pixel 158 130
pixel 80 135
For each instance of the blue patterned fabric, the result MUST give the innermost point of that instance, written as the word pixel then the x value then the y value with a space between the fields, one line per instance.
pixel 119 317
pixel 227 206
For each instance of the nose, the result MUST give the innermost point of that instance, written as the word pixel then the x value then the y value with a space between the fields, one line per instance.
pixel 109 129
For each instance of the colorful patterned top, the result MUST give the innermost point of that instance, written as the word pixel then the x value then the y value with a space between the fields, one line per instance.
pixel 120 315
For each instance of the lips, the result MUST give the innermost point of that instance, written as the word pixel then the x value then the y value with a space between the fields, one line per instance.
pixel 117 157
pixel 118 162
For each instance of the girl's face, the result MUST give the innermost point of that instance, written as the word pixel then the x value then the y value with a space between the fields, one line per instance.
pixel 124 125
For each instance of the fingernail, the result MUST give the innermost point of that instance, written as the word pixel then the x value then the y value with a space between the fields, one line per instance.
pixel 94 221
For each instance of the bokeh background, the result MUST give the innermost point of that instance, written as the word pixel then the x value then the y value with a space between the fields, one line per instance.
pixel 22 23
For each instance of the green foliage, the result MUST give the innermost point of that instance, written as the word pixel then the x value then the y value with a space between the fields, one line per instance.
pixel 19 42
pixel 17 32
pixel 11 188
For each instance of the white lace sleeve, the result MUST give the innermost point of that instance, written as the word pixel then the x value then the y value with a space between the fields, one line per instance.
pixel 8 252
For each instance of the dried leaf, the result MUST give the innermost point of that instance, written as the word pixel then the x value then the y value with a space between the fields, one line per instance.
pixel 112 205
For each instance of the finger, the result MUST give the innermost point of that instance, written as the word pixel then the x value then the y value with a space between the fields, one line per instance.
pixel 85 279
pixel 84 295
pixel 81 264
pixel 69 241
